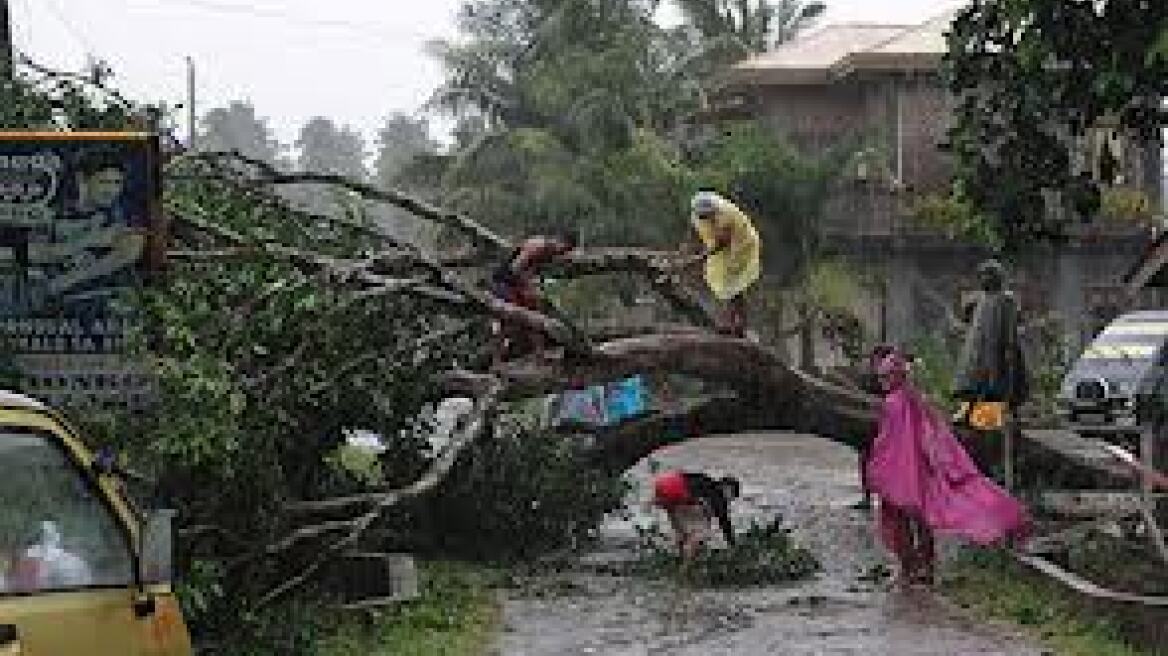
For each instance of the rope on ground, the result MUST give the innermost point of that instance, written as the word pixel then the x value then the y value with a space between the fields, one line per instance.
pixel 1083 586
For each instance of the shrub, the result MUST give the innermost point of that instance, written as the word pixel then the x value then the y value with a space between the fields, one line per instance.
pixel 762 555
pixel 523 492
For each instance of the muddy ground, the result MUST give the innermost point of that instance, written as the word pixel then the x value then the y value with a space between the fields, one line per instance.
pixel 812 483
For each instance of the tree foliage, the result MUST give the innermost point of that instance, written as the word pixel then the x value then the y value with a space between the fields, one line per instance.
pixel 1030 76
pixel 238 127
pixel 400 141
pixel 784 190
pixel 325 147
pixel 750 27
pixel 580 105
pixel 571 96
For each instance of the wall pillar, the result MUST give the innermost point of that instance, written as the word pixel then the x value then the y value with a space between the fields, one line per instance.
pixel 901 301
pixel 1070 295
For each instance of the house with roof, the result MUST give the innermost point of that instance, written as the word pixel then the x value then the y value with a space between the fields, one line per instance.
pixel 878 90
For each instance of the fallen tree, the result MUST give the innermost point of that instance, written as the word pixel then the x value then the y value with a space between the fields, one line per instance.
pixel 759 389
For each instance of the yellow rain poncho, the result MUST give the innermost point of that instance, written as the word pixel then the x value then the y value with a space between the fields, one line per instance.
pixel 733 270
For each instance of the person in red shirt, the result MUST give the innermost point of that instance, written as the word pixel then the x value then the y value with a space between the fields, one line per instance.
pixel 514 281
pixel 692 500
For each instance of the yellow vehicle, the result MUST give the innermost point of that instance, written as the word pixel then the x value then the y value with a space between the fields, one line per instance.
pixel 82 571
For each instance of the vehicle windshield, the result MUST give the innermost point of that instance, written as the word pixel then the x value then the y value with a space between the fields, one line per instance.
pixel 1120 342
pixel 55 531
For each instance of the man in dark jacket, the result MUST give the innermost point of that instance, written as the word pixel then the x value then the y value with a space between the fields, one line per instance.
pixel 991 366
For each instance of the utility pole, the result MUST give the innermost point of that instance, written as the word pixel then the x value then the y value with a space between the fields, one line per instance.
pixel 190 102
pixel 6 65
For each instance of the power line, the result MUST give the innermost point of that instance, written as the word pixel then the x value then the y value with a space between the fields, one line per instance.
pixel 55 9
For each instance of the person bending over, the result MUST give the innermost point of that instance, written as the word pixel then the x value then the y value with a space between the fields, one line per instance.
pixel 692 500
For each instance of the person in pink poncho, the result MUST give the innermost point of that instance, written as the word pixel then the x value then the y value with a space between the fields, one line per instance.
pixel 927 484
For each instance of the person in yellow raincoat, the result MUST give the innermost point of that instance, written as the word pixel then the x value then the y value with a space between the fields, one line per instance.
pixel 732 252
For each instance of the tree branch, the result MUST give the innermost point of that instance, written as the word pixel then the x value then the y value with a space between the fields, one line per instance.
pixel 658 266
pixel 736 362
pixel 87 80
pixel 269 174
pixel 381 502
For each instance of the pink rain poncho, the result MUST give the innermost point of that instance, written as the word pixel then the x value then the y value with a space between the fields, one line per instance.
pixel 920 471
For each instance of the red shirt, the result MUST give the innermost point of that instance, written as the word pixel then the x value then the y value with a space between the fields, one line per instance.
pixel 671 489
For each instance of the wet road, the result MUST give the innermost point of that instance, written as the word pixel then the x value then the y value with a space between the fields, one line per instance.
pixel 812 483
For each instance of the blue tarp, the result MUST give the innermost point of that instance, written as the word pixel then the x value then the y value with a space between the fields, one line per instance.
pixel 625 399
pixel 584 406
pixel 603 405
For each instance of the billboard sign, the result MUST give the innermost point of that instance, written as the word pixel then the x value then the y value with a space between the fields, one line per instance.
pixel 80 225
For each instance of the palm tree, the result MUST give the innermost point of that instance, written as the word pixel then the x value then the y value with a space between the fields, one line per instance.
pixel 749 26
pixel 792 17
pixel 571 66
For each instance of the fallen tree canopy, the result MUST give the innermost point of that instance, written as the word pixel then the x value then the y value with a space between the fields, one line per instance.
pixel 759 389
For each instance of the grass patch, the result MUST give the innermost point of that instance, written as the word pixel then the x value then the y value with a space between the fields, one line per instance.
pixel 457 615
pixel 762 555
pixel 995 586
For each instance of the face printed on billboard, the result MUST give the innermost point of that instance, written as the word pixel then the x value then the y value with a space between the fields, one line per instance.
pixel 74 220
pixel 78 219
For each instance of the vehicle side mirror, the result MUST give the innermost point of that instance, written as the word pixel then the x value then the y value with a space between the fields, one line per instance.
pixel 157 542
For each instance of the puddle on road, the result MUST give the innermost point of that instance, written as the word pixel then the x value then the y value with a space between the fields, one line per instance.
pixel 811 482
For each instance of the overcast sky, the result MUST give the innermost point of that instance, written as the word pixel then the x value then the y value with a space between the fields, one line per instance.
pixel 353 61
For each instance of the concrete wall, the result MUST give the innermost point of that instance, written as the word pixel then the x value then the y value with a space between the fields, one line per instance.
pixel 1081 283
pixel 873 109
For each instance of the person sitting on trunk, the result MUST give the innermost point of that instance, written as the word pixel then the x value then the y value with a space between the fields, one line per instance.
pixel 692 500
pixel 514 281
pixel 732 254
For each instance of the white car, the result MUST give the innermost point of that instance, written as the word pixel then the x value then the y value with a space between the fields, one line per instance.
pixel 1124 363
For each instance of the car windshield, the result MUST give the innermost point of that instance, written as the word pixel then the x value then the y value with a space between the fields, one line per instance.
pixel 55 531
pixel 1127 341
